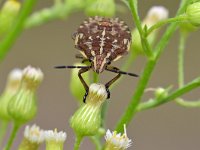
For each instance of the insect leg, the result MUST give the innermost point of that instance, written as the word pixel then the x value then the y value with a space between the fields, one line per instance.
pixel 83 70
pixel 70 67
pixel 116 70
pixel 79 56
pixel 109 83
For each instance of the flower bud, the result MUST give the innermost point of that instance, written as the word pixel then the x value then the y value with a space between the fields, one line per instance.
pixel 161 93
pixel 154 15
pixel 87 119
pixel 8 14
pixel 33 137
pixel 75 4
pixel 193 13
pixel 55 140
pixel 13 83
pixel 22 106
pixel 116 141
pixel 101 8
pixel 76 87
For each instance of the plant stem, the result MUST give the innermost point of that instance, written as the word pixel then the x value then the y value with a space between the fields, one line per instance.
pixel 4 126
pixel 144 41
pixel 95 77
pixel 189 104
pixel 181 51
pixel 78 142
pixel 58 10
pixel 180 18
pixel 12 136
pixel 179 92
pixel 96 141
pixel 131 108
pixel 17 28
pixel 170 30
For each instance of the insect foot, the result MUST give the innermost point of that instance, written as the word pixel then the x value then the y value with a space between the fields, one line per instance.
pixel 108 93
pixel 85 96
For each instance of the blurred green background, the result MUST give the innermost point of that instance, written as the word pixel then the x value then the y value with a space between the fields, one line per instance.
pixel 166 127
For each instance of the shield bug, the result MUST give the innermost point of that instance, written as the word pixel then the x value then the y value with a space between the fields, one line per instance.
pixel 100 41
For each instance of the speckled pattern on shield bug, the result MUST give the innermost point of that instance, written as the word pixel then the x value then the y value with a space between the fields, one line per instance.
pixel 100 41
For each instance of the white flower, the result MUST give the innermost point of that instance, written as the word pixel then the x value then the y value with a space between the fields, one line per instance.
pixel 32 73
pixel 97 93
pixel 34 134
pixel 51 135
pixel 118 141
pixel 14 80
pixel 156 14
pixel 15 75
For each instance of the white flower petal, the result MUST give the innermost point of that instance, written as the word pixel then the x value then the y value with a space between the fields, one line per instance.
pixel 33 73
pixel 51 135
pixel 118 140
pixel 34 134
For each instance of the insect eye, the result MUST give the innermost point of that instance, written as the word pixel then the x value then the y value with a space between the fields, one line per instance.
pixel 108 62
pixel 91 59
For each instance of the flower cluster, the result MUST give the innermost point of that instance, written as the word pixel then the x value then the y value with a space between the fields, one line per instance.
pixel 34 137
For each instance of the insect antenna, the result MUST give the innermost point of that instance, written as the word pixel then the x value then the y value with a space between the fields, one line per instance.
pixel 121 72
pixel 70 67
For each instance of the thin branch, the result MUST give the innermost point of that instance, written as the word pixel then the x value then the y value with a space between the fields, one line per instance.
pixel 17 28
pixel 179 92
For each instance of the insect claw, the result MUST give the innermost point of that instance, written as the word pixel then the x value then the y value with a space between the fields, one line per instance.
pixel 108 93
pixel 85 96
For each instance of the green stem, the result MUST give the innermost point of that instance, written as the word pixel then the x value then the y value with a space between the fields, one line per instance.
pixel 12 136
pixel 77 142
pixel 4 126
pixel 96 141
pixel 180 18
pixel 189 104
pixel 130 110
pixel 95 77
pixel 171 29
pixel 17 28
pixel 144 41
pixel 58 10
pixel 144 79
pixel 179 92
pixel 103 114
pixel 124 67
pixel 181 51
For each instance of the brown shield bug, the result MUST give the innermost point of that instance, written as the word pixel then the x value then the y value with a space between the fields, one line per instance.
pixel 100 41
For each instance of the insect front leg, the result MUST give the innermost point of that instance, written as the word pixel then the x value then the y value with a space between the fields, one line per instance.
pixel 83 70
pixel 109 83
